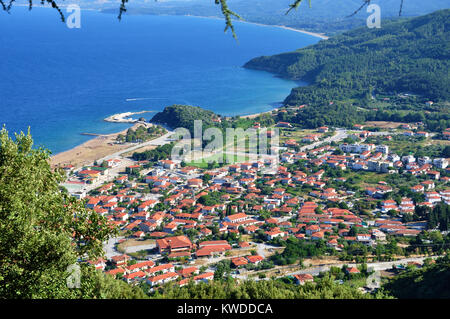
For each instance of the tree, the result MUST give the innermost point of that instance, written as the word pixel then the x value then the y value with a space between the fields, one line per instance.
pixel 43 231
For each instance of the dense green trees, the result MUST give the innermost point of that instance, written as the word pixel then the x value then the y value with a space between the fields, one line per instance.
pixel 140 134
pixel 159 153
pixel 432 281
pixel 296 249
pixel 439 217
pixel 43 231
pixel 324 288
pixel 403 56
pixel 184 116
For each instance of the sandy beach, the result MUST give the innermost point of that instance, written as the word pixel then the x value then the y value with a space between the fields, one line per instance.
pixel 252 116
pixel 89 151
pixel 104 145
pixel 319 35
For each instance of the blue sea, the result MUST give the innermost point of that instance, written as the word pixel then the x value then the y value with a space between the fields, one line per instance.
pixel 62 82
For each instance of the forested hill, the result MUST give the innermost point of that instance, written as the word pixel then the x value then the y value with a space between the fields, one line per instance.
pixel 183 116
pixel 408 55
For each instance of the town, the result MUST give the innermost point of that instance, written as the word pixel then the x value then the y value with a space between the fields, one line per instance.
pixel 344 192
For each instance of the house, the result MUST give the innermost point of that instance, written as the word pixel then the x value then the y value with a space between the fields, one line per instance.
pixel 422 134
pixel 239 261
pixel 139 266
pixel 211 247
pixel 364 238
pixel 171 244
pixel 120 260
pixel 441 163
pixel 134 276
pixel 236 218
pixel 207 276
pixel 318 235
pixel 255 259
pixel 162 279
pixel 145 206
pixel 418 189
pixel 352 270
pixel 167 164
pixel 164 268
pixel 195 183
pixel 274 233
pixel 301 279
pixel 312 229
pixel 98 264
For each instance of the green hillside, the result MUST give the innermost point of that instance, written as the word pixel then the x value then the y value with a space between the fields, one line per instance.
pixel 432 281
pixel 183 116
pixel 408 55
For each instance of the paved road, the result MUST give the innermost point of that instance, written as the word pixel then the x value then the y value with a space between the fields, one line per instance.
pixel 316 270
pixel 114 172
pixel 165 139
pixel 340 135
pixel 109 247
pixel 377 266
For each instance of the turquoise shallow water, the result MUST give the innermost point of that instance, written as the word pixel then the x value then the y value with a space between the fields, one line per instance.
pixel 62 82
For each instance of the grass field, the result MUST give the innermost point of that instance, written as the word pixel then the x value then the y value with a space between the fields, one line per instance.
pixel 219 157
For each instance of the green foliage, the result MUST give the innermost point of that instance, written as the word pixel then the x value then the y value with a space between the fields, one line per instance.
pixel 159 153
pixel 141 134
pixel 211 199
pixel 431 281
pixel 296 249
pixel 324 288
pixel 440 217
pixel 183 116
pixel 43 230
pixel 350 65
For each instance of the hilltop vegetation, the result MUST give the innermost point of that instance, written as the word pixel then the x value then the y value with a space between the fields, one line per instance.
pixel 403 56
pixel 326 16
pixel 183 116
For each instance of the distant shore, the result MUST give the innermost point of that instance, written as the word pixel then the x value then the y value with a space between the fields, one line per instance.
pixel 314 34
pixel 104 144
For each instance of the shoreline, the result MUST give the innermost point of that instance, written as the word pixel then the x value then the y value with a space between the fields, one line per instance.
pixel 103 145
pixel 314 34
pixel 100 10
pixel 124 117
pixel 93 149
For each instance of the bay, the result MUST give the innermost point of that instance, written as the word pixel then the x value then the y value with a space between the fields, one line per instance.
pixel 62 82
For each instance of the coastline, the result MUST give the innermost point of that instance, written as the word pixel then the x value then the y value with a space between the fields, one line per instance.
pixel 314 34
pixel 89 151
pixel 103 144
pixel 124 117
pixel 98 147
